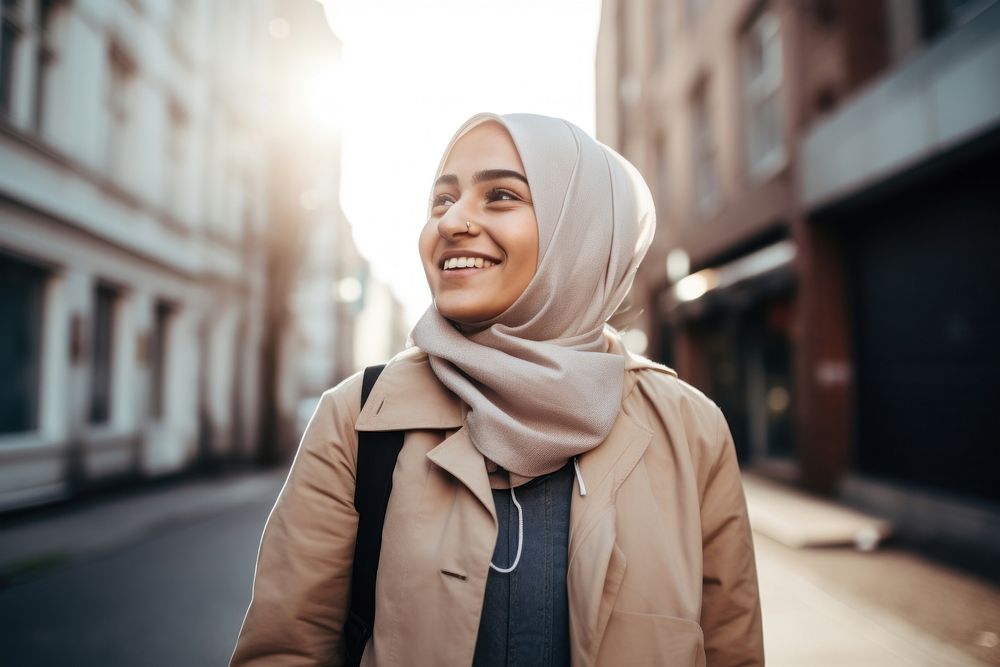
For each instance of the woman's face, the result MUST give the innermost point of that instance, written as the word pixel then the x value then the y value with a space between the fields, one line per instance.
pixel 483 182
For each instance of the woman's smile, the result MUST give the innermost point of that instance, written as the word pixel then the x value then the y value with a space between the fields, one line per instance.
pixel 458 260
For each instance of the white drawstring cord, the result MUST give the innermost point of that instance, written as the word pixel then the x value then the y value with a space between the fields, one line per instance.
pixel 579 476
pixel 520 537
pixel 520 519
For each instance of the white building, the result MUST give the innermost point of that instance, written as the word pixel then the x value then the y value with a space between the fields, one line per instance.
pixel 381 329
pixel 132 210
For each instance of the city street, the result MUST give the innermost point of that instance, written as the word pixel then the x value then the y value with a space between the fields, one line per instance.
pixel 174 595
pixel 212 213
pixel 163 578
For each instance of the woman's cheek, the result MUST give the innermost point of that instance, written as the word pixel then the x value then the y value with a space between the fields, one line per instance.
pixel 425 245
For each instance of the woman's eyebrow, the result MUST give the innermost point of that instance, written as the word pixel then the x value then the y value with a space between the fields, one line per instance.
pixel 446 179
pixel 484 175
pixel 497 174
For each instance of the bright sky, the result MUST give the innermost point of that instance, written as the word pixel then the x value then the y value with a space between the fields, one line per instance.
pixel 413 72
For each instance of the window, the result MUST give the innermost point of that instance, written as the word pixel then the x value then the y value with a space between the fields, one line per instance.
pixel 102 347
pixel 219 157
pixel 158 357
pixel 938 16
pixel 706 178
pixel 119 103
pixel 660 20
pixel 51 16
pixel 662 184
pixel 624 69
pixel 762 75
pixel 183 27
pixel 178 134
pixel 694 9
pixel 11 29
pixel 22 292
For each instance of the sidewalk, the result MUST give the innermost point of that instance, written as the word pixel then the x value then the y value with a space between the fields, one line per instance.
pixel 834 606
pixel 34 543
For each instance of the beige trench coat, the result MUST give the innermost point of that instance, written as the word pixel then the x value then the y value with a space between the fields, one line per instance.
pixel 661 567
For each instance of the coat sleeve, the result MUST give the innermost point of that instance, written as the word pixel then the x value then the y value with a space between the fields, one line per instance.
pixel 302 581
pixel 730 615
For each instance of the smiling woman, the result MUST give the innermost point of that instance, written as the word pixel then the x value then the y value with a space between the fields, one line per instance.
pixel 555 499
pixel 480 245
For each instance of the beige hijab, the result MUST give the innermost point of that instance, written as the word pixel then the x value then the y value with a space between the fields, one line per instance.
pixel 539 382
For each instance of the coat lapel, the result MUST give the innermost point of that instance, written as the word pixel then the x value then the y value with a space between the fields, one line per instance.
pixel 457 455
pixel 596 564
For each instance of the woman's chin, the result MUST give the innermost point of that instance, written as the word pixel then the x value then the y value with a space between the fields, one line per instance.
pixel 465 315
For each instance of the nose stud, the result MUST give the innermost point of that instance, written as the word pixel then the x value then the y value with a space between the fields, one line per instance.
pixel 468 226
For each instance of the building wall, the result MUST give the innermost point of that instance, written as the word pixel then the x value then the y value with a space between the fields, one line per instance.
pixel 103 157
pixel 897 180
pixel 672 77
pixel 755 298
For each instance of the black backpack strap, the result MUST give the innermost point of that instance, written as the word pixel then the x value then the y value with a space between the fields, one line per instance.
pixel 377 454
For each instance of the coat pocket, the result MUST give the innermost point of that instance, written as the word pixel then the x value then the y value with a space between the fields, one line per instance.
pixel 634 638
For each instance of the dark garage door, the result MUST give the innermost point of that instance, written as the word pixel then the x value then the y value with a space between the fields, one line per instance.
pixel 925 273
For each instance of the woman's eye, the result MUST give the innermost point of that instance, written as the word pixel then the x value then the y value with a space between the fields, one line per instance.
pixel 499 194
pixel 496 194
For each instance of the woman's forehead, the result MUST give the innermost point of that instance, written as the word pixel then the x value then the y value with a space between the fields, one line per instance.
pixel 488 142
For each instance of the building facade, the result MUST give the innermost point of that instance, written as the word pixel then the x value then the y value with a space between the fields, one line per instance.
pixel 129 199
pixel 822 227
pixel 319 301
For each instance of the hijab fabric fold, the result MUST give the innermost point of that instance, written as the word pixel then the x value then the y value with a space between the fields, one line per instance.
pixel 538 380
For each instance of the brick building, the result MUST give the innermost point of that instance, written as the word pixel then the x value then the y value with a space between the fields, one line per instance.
pixel 821 263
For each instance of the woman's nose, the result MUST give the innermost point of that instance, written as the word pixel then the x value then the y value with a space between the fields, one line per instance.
pixel 453 222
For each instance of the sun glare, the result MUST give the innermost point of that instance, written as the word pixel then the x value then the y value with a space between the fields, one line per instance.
pixel 319 88
pixel 411 74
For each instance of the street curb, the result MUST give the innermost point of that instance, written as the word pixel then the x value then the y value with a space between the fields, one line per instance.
pixel 800 520
pixel 36 548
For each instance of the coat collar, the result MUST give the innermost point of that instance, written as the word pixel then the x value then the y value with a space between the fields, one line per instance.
pixel 407 395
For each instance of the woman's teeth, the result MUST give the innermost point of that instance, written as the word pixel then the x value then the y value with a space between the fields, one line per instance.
pixel 466 262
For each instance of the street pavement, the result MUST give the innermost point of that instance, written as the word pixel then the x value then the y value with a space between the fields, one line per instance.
pixel 163 577
pixel 835 607
pixel 832 604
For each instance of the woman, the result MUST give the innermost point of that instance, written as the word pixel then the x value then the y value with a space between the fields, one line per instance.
pixel 557 499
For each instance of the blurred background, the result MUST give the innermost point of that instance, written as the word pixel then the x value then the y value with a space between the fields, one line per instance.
pixel 209 213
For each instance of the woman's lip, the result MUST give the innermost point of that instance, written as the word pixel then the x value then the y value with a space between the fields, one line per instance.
pixel 460 273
